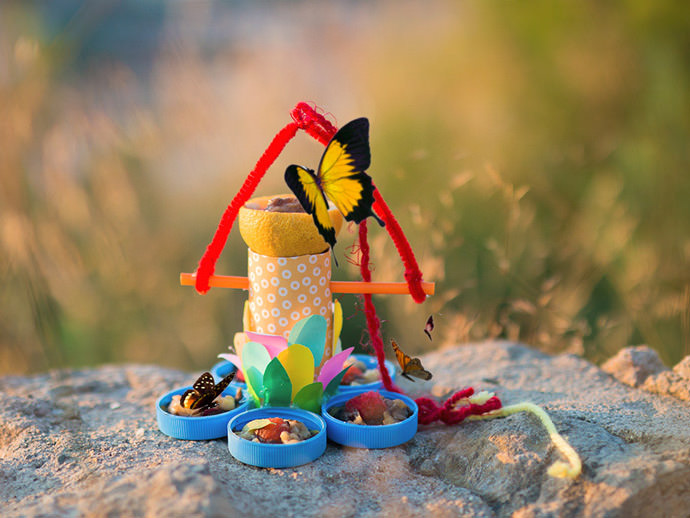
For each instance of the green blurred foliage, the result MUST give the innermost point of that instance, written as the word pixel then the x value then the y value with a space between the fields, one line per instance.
pixel 536 156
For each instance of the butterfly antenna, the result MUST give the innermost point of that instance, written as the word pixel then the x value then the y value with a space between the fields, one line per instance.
pixel 379 220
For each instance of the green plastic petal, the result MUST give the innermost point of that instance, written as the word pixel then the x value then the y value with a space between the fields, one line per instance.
pixel 309 398
pixel 277 385
pixel 333 385
pixel 255 358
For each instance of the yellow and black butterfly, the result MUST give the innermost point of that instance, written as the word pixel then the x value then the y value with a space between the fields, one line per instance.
pixel 204 391
pixel 410 366
pixel 340 178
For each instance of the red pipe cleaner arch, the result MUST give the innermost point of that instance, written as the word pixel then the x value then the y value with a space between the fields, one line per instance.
pixel 317 126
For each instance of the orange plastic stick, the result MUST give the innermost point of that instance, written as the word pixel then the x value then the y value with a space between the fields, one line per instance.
pixel 242 283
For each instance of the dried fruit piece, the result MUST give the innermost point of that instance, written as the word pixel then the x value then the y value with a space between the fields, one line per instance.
pixel 271 432
pixel 227 403
pixel 351 374
pixel 284 204
pixel 370 406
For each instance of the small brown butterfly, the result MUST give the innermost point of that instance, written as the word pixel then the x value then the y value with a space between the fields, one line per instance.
pixel 204 391
pixel 429 327
pixel 410 366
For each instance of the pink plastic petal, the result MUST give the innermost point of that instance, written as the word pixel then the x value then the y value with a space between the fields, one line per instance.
pixel 333 366
pixel 273 343
pixel 232 358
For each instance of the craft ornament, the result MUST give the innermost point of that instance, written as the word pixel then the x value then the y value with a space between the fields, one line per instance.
pixel 281 372
pixel 272 374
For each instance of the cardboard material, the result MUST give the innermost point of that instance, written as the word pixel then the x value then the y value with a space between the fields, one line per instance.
pixel 284 290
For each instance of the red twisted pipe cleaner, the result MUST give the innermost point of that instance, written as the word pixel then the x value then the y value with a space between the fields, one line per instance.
pixel 207 264
pixel 413 274
pixel 373 322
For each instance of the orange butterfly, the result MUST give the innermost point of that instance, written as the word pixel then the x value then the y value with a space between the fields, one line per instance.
pixel 410 366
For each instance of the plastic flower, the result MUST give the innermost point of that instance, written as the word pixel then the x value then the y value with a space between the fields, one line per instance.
pixel 281 372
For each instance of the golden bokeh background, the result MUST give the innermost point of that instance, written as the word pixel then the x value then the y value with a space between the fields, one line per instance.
pixel 536 154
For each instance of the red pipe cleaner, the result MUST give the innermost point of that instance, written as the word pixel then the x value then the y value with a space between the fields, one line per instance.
pixel 373 322
pixel 430 412
pixel 413 274
pixel 313 123
pixel 317 126
pixel 207 264
pixel 306 118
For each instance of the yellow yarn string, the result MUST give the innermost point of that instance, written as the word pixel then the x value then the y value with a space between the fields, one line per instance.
pixel 559 469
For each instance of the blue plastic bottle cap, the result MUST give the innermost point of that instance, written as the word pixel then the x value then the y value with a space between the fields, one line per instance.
pixel 364 436
pixel 371 363
pixel 222 369
pixel 196 428
pixel 277 455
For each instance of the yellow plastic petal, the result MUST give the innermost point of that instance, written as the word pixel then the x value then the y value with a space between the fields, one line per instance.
pixel 246 317
pixel 299 364
pixel 337 324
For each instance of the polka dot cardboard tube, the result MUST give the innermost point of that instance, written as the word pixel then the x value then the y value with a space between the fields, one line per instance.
pixel 289 269
pixel 284 290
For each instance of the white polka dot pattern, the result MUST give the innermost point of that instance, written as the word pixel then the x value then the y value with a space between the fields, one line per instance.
pixel 287 289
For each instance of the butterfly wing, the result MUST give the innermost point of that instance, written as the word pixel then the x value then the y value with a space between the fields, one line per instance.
pixel 205 383
pixel 402 358
pixel 222 384
pixel 341 171
pixel 410 366
pixel 304 184
pixel 429 327
pixel 414 368
pixel 204 391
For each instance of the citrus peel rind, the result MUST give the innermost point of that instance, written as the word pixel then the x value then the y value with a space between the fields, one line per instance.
pixel 282 234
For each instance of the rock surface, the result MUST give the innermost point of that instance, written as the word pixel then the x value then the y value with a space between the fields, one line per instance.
pixel 633 365
pixel 641 367
pixel 86 443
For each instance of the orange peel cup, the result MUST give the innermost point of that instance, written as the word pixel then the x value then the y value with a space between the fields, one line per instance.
pixel 282 234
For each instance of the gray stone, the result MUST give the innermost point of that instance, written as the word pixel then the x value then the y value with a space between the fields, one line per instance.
pixel 641 367
pixel 86 443
pixel 683 368
pixel 674 383
pixel 633 365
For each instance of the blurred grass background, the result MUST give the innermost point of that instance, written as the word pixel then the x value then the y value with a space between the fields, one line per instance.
pixel 536 156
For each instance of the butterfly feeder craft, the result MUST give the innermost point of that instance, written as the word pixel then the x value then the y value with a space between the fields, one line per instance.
pixel 288 359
